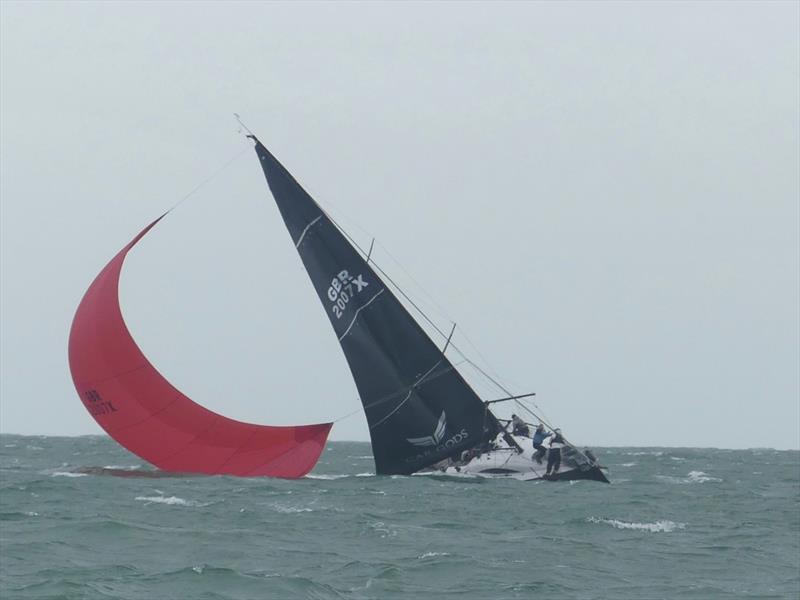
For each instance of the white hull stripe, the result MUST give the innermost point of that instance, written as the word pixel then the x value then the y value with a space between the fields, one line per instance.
pixel 305 231
pixel 355 316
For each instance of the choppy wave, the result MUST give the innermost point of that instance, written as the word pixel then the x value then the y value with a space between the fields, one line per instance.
pixel 432 554
pixel 170 500
pixel 337 476
pixel 134 472
pixel 655 527
pixel 281 508
pixel 692 477
pixel 335 535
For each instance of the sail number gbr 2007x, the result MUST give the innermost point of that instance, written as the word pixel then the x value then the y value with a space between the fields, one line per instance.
pixel 342 289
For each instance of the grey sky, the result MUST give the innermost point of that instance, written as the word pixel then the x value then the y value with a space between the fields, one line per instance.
pixel 603 196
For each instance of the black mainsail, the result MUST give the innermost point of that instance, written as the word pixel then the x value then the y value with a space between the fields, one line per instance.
pixel 419 408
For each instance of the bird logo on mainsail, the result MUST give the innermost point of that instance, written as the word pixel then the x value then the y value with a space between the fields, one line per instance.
pixel 436 438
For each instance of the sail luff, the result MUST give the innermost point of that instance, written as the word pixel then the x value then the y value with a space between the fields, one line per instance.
pixel 386 349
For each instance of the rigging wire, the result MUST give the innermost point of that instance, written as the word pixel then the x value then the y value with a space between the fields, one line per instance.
pixel 493 379
pixel 399 392
pixel 424 315
pixel 342 216
pixel 465 359
pixel 432 324
pixel 208 179
pixel 435 304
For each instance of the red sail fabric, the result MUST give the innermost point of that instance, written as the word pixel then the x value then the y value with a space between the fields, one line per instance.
pixel 142 411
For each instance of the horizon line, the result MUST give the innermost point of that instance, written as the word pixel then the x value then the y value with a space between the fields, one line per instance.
pixel 105 435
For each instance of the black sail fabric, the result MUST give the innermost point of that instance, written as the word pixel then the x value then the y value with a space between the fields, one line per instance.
pixel 418 407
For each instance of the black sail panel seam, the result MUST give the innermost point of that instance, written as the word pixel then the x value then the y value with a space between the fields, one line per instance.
pixel 358 310
pixel 417 383
pixel 305 231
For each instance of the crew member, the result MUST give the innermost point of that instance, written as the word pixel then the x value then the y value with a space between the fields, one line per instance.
pixel 554 456
pixel 519 427
pixel 539 436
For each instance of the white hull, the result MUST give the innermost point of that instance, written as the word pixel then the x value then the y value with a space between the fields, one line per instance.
pixel 508 463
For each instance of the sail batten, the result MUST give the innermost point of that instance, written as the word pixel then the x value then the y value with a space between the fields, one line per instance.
pixel 435 416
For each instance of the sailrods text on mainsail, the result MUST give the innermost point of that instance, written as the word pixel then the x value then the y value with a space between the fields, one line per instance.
pixel 419 408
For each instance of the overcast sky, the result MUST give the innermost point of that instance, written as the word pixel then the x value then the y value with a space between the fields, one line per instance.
pixel 603 196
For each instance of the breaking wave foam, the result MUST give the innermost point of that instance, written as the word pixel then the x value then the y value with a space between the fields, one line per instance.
pixel 692 477
pixel 643 453
pixel 171 500
pixel 291 509
pixel 432 554
pixel 657 527
pixel 323 476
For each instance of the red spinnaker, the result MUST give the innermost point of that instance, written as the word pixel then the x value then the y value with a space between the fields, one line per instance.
pixel 142 411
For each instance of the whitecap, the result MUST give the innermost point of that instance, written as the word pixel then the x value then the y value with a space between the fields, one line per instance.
pixel 10 446
pixel 291 509
pixel 676 458
pixel 630 464
pixel 693 477
pixel 700 477
pixel 656 527
pixel 67 474
pixel 170 500
pixel 315 476
pixel 432 554
pixel 639 453
pixel 381 528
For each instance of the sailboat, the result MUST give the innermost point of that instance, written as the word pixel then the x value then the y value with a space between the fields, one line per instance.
pixel 422 414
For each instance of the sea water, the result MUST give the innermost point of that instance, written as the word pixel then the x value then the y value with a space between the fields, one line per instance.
pixel 82 518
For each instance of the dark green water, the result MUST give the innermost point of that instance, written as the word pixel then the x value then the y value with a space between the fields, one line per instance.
pixel 676 523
